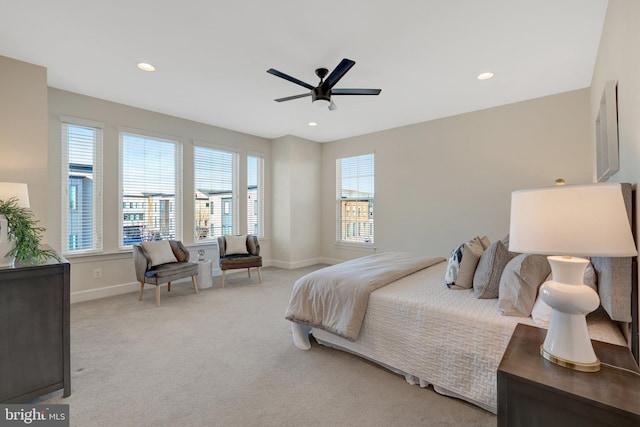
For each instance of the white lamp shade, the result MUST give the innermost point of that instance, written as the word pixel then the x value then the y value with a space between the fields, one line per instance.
pixel 580 220
pixel 17 190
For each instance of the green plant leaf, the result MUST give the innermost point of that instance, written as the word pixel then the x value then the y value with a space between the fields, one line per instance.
pixel 23 229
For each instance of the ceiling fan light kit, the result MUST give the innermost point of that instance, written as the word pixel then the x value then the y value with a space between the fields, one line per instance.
pixel 321 94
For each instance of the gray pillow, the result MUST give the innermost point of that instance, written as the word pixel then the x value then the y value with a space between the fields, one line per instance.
pixel 519 284
pixel 486 280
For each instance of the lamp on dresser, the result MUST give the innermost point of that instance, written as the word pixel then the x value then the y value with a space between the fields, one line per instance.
pixel 567 222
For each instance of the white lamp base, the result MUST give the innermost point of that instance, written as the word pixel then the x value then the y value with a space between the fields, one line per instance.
pixel 567 342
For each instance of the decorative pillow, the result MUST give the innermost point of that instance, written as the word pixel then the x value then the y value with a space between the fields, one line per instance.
pixel 159 251
pixel 541 313
pixel 486 280
pixel 463 262
pixel 236 245
pixel 453 266
pixel 519 284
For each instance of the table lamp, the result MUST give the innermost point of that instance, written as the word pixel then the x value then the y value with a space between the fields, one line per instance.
pixel 20 192
pixel 563 222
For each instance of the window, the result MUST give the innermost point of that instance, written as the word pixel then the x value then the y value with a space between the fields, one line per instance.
pixel 354 199
pixel 216 188
pixel 73 197
pixel 255 198
pixel 149 183
pixel 82 186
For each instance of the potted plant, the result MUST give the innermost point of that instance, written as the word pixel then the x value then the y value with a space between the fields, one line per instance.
pixel 24 231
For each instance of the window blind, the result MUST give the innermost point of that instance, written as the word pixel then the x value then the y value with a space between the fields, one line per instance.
pixel 355 199
pixel 81 188
pixel 216 193
pixel 150 206
pixel 255 195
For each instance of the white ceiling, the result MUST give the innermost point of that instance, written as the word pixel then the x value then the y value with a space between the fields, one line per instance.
pixel 211 56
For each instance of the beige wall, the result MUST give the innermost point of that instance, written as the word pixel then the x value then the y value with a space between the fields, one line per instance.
pixel 296 202
pixel 437 183
pixel 619 59
pixel 23 131
pixel 442 182
pixel 117 267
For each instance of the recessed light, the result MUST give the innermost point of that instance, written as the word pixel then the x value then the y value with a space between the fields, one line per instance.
pixel 485 76
pixel 313 124
pixel 146 67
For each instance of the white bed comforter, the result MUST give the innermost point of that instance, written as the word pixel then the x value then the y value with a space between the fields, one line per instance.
pixel 418 327
pixel 335 298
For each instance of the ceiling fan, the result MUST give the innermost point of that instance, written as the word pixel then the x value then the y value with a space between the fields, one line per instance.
pixel 322 93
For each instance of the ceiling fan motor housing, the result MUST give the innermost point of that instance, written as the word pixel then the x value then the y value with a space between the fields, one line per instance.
pixel 318 94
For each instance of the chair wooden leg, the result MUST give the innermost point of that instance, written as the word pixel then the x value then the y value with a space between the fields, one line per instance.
pixel 195 283
pixel 168 286
pixel 249 271
pixel 223 278
pixel 259 274
pixel 157 296
pixel 140 293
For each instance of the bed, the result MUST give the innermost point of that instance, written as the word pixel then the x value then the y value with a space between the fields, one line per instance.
pixel 432 335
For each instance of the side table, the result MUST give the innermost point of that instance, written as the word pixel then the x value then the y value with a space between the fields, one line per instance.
pixel 205 279
pixel 535 392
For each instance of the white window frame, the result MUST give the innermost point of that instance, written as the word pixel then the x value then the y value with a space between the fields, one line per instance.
pixel 343 231
pixel 178 203
pixel 97 195
pixel 260 194
pixel 222 203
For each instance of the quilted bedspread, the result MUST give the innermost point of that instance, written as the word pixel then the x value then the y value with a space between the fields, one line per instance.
pixel 335 298
pixel 448 338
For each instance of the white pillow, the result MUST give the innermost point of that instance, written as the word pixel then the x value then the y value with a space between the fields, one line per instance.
pixel 541 313
pixel 236 245
pixel 159 251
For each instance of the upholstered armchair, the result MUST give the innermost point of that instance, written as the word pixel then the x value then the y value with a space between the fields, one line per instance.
pixel 239 252
pixel 163 261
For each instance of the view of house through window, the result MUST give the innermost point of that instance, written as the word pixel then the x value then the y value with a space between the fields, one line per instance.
pixel 82 188
pixel 355 199
pixel 255 205
pixel 215 182
pixel 148 179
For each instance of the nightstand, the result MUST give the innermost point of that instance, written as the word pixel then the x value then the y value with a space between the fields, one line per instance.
pixel 535 392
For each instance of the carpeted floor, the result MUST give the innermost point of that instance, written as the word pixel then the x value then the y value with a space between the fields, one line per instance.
pixel 225 358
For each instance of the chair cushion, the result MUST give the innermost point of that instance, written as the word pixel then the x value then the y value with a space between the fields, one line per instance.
pixel 159 251
pixel 163 271
pixel 240 261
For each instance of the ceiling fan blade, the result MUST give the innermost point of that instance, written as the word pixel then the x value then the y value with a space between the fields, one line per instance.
pixel 356 91
pixel 289 78
pixel 332 106
pixel 289 98
pixel 339 72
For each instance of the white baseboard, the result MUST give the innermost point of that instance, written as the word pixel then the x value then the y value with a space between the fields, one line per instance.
pixel 107 291
pixel 297 264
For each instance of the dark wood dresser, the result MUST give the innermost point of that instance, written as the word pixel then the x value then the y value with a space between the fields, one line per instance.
pixel 34 331
pixel 535 392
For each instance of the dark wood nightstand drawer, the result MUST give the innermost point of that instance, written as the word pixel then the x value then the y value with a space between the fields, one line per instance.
pixel 535 392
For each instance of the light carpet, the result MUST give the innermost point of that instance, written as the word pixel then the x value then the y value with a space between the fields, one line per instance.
pixel 224 357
